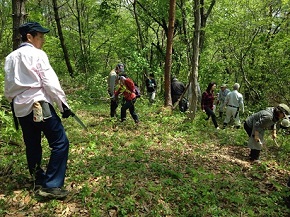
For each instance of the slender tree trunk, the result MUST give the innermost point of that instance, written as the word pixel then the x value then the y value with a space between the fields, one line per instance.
pixel 203 19
pixel 61 38
pixel 81 39
pixel 142 45
pixel 4 17
pixel 185 33
pixel 138 25
pixel 18 16
pixel 168 60
pixel 195 61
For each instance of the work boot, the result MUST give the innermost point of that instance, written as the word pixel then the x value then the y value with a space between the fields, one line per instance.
pixel 237 127
pixel 254 155
pixel 56 193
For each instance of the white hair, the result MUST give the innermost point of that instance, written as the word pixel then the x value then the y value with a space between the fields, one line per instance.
pixel 236 86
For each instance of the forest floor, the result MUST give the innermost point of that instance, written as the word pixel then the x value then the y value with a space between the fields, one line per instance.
pixel 165 166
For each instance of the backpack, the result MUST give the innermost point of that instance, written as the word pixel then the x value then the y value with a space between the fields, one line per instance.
pixel 184 105
pixel 133 87
pixel 137 91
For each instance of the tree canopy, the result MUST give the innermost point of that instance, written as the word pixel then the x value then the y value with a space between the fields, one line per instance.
pixel 244 41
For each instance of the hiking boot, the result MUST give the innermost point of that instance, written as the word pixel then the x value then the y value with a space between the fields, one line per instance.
pixel 56 193
pixel 254 155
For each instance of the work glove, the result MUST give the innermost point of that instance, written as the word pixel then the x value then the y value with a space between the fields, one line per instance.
pixel 257 139
pixel 66 112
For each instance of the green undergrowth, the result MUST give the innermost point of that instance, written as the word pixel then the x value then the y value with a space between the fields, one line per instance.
pixel 165 166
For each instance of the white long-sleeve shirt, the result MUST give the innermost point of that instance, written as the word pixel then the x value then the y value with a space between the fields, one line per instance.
pixel 29 78
pixel 234 98
pixel 112 80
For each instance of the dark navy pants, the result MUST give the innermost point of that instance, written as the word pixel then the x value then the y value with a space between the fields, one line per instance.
pixel 58 143
pixel 211 114
pixel 129 104
pixel 113 106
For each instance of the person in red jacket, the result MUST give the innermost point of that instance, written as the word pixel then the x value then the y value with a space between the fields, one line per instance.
pixel 127 89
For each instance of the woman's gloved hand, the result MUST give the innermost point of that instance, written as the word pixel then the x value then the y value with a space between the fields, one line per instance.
pixel 66 112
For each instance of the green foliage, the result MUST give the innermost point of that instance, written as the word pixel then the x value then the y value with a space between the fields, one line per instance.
pixel 248 48
pixel 55 54
pixel 7 130
pixel 7 127
pixel 244 42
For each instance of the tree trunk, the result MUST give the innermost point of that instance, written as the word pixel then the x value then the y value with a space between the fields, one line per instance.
pixel 61 38
pixel 203 20
pixel 18 16
pixel 185 33
pixel 142 45
pixel 168 60
pixel 138 25
pixel 195 60
pixel 81 38
pixel 4 12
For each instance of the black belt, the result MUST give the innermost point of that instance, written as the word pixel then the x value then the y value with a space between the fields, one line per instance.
pixel 233 106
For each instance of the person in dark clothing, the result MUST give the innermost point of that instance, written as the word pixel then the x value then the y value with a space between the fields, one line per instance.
pixel 207 101
pixel 113 85
pixel 151 87
pixel 177 89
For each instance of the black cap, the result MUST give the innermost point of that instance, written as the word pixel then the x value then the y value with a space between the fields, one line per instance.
pixel 32 27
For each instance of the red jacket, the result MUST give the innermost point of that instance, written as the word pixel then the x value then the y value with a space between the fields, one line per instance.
pixel 127 90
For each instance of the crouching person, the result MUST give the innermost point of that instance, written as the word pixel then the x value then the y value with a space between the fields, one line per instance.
pixel 127 89
pixel 256 124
